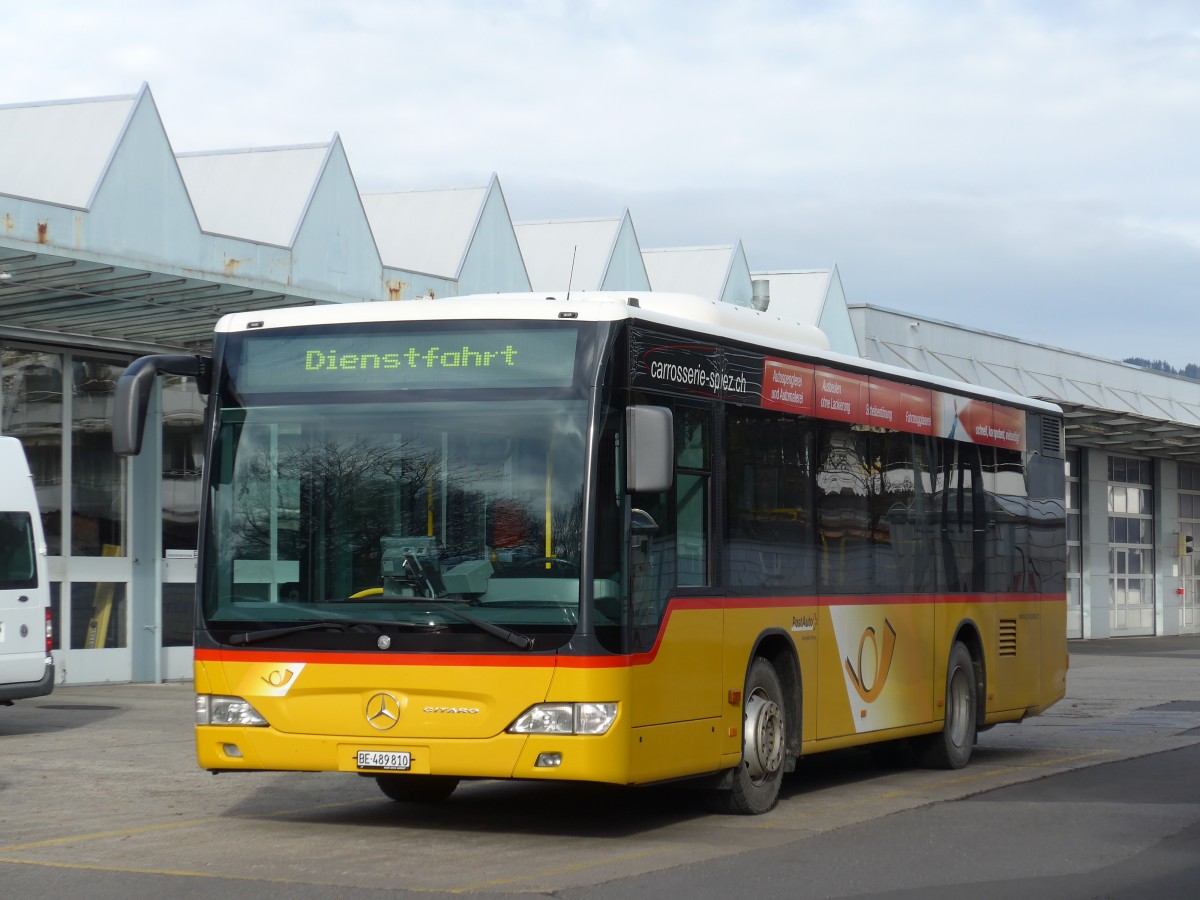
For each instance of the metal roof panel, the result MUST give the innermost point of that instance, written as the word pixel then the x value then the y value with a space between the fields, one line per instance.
pixel 702 271
pixel 567 253
pixel 801 292
pixel 425 231
pixel 254 194
pixel 57 152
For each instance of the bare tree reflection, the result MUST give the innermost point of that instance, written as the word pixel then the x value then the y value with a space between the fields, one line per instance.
pixel 327 506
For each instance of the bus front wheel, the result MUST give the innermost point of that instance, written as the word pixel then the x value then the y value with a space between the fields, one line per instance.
pixel 951 747
pixel 417 788
pixel 754 787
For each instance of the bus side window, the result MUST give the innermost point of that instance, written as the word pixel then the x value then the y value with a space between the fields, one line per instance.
pixel 769 502
pixel 962 516
pixel 843 516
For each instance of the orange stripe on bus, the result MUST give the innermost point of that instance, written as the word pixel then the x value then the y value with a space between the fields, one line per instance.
pixel 608 661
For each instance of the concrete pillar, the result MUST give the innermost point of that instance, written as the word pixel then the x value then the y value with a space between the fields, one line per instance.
pixel 1168 575
pixel 145 549
pixel 1097 603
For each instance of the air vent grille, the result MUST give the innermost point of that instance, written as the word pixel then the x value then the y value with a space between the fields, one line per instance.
pixel 1052 442
pixel 1008 637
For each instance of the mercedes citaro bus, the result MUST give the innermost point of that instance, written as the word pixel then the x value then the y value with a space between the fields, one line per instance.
pixel 605 538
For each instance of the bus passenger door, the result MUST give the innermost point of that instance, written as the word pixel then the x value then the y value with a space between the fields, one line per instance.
pixel 675 622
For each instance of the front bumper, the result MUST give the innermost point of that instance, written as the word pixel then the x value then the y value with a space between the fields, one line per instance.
pixel 596 758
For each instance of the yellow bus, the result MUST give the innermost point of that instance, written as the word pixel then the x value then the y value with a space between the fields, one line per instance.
pixel 607 538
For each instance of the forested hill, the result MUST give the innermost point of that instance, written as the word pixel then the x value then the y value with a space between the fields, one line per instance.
pixel 1191 370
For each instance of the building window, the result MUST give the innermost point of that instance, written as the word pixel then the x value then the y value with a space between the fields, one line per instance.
pixel 1074 545
pixel 31 398
pixel 97 615
pixel 97 476
pixel 1130 545
pixel 183 461
pixel 1189 524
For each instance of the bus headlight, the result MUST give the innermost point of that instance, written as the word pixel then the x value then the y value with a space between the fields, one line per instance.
pixel 218 710
pixel 566 718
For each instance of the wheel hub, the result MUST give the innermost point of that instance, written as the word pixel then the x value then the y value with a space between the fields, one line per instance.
pixel 763 736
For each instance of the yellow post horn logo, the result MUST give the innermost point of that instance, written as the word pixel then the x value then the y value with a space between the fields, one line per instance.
pixel 883 662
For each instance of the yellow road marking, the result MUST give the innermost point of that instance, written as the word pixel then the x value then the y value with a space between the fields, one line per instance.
pixel 101 835
pixel 127 869
pixel 183 873
pixel 169 826
pixel 1040 764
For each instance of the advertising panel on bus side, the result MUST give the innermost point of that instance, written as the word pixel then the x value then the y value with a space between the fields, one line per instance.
pixel 704 369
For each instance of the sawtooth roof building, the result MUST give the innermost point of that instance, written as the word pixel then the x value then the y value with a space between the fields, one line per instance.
pixel 113 245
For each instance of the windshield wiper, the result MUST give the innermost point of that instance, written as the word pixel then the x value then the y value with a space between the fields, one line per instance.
pixel 508 635
pixel 266 634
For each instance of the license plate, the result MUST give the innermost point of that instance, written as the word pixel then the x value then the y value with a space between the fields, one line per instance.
pixel 390 761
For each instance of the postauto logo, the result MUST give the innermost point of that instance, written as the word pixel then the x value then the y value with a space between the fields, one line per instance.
pixel 874 662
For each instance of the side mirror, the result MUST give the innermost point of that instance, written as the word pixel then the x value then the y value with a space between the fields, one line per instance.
pixel 650 449
pixel 133 394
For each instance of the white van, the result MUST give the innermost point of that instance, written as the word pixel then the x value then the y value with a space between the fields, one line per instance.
pixel 26 666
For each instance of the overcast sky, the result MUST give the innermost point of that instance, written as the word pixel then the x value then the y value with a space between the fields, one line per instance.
pixel 1029 168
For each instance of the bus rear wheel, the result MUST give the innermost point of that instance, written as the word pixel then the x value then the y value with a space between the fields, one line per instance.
pixel 951 747
pixel 754 787
pixel 417 788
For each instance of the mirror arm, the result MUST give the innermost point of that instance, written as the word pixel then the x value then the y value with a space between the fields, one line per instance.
pixel 133 394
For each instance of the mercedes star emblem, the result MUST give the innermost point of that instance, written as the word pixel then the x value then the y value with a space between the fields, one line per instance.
pixel 383 712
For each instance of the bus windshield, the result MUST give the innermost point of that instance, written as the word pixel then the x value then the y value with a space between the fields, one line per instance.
pixel 345 519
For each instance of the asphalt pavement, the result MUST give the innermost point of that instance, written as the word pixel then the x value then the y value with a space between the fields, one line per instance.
pixel 100 796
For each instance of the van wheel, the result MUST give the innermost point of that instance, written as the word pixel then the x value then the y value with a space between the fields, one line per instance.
pixel 417 788
pixel 951 747
pixel 756 782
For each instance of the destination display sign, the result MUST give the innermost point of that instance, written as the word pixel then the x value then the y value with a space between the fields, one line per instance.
pixel 697 368
pixel 372 361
